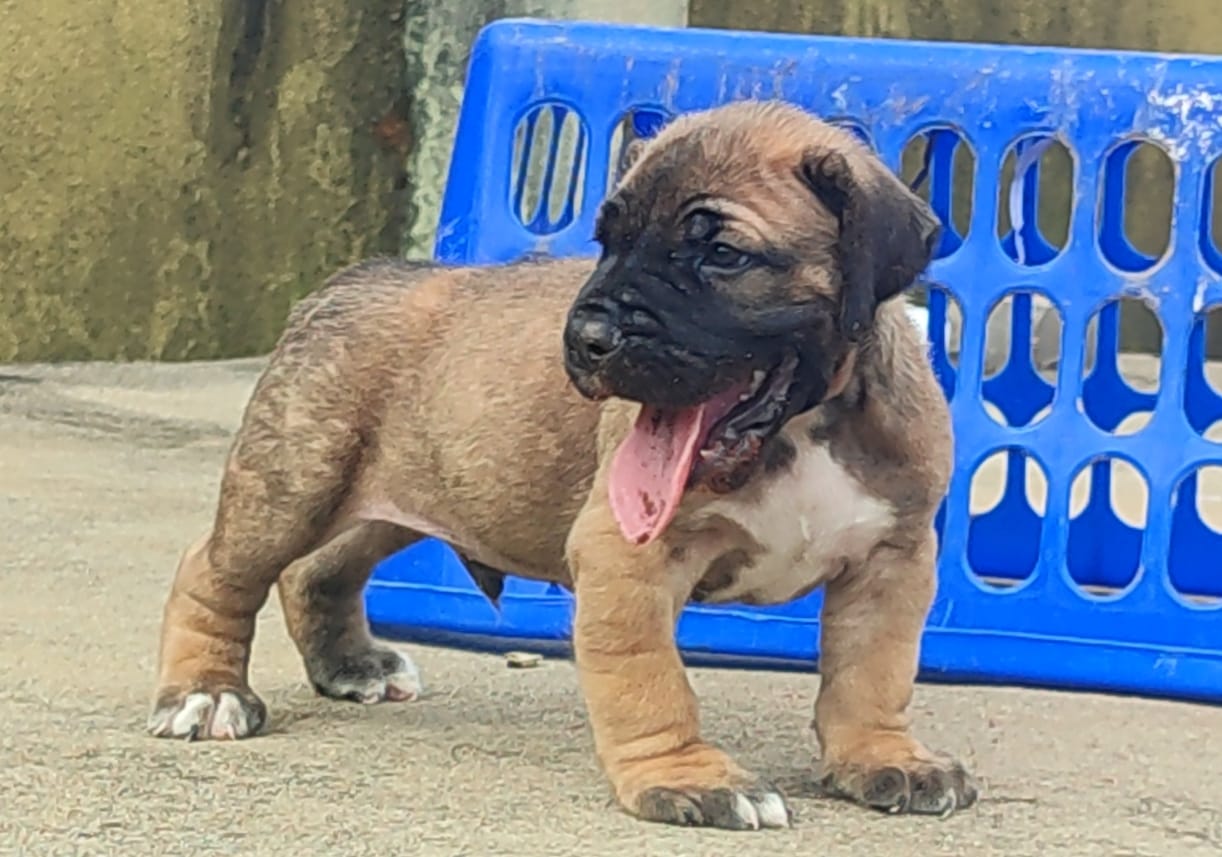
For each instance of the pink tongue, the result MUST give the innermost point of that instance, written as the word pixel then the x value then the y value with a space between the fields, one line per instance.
pixel 652 465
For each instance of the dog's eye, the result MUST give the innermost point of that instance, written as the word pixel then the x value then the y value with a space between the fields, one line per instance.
pixel 723 257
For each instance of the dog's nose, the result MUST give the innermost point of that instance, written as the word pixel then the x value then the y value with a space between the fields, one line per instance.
pixel 592 336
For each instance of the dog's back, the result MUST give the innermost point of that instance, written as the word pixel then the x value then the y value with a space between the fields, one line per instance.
pixel 449 378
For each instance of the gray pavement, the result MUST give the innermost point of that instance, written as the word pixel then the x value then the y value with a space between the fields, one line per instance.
pixel 107 471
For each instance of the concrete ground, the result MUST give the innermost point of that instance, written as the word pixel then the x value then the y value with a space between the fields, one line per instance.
pixel 107 471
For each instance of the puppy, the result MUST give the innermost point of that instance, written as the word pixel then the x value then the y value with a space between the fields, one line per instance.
pixel 728 405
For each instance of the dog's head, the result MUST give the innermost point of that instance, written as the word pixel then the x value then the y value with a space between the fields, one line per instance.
pixel 744 254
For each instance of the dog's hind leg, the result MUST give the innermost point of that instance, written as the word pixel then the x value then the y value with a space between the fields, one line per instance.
pixel 324 608
pixel 287 475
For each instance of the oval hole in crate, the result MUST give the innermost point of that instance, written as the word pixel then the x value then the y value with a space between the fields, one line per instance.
pixel 1108 506
pixel 1203 381
pixel 1203 387
pixel 1196 538
pixel 1212 347
pixel 1121 378
pixel 1038 198
pixel 1135 205
pixel 637 124
pixel 1211 221
pixel 550 145
pixel 927 305
pixel 939 164
pixel 1008 500
pixel 1022 350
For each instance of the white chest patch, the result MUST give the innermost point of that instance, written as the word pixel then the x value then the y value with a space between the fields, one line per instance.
pixel 808 521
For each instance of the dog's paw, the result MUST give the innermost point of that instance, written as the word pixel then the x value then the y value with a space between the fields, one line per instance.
pixel 201 715
pixel 698 786
pixel 374 674
pixel 938 787
pixel 753 808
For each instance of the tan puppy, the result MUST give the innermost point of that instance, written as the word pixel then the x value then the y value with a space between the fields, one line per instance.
pixel 792 435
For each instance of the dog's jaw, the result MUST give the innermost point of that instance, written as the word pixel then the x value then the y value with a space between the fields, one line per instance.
pixel 590 386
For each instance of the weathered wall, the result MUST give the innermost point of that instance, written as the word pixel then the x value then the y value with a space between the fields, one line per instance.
pixel 173 174
pixel 1165 25
pixel 438 36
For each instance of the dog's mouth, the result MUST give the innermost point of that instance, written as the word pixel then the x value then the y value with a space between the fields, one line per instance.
pixel 669 449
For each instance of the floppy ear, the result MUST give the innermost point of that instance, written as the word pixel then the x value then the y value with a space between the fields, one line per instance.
pixel 887 234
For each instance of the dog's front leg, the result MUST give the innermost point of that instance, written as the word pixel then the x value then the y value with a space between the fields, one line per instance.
pixel 873 616
pixel 642 710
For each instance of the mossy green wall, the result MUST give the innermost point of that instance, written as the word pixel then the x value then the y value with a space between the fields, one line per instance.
pixel 173 174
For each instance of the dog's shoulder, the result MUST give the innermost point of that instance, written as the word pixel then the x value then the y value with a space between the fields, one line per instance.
pixel 891 428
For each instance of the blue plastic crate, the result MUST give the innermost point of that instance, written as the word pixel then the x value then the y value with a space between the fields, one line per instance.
pixel 1041 593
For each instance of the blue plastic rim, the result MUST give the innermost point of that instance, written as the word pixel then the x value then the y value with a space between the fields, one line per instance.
pixel 1055 587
